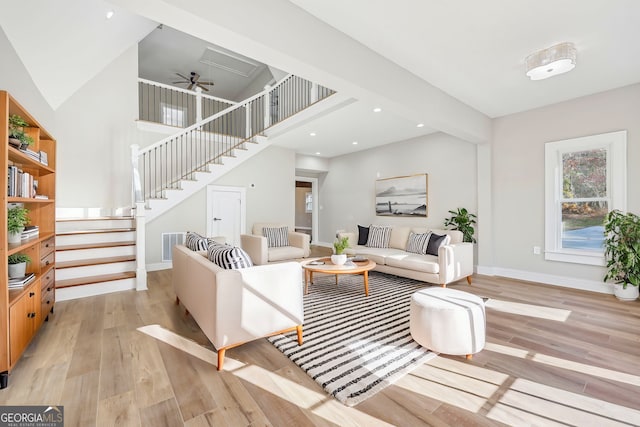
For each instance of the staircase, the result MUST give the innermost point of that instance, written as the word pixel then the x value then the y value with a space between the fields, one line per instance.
pixel 94 256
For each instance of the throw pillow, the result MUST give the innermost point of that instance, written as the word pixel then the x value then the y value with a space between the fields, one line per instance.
pixel 418 243
pixel 363 235
pixel 276 236
pixel 379 236
pixel 435 241
pixel 196 242
pixel 229 257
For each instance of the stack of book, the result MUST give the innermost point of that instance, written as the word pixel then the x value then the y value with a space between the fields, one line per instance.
pixel 30 231
pixel 40 156
pixel 20 183
pixel 18 282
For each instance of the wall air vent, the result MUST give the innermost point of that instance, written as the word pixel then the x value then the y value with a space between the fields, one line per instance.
pixel 169 240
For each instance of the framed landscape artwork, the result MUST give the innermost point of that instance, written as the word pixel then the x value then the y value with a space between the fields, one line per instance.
pixel 402 196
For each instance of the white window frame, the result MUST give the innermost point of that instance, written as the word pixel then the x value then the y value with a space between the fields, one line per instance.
pixel 177 115
pixel 616 145
pixel 308 202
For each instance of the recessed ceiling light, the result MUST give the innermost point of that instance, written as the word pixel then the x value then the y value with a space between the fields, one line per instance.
pixel 317 153
pixel 420 125
pixel 110 14
pixel 355 142
pixel 312 134
pixel 377 110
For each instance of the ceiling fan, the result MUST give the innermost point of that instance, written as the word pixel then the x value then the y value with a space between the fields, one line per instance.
pixel 193 80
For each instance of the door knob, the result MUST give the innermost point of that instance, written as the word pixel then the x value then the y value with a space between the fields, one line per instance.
pixel 217 219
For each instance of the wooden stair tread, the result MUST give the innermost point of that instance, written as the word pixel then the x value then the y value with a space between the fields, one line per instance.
pixel 97 218
pixel 94 261
pixel 95 245
pixel 96 231
pixel 94 279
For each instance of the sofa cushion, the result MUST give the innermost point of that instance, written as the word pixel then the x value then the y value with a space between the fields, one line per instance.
pixel 363 235
pixel 196 242
pixel 229 257
pixel 377 255
pixel 277 237
pixel 408 261
pixel 379 236
pixel 418 243
pixel 284 253
pixel 435 241
pixel 399 237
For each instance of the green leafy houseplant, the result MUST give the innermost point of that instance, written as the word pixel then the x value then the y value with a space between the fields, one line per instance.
pixel 340 245
pixel 18 258
pixel 622 248
pixel 16 219
pixel 463 221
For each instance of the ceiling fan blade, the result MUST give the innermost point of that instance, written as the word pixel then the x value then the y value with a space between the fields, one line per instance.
pixel 190 86
pixel 202 87
pixel 186 78
pixel 194 76
pixel 183 81
pixel 206 83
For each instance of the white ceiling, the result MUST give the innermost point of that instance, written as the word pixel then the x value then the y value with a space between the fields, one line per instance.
pixel 472 50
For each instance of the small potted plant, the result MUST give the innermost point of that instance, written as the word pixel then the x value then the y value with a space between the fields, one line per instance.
pixel 17 137
pixel 463 221
pixel 340 245
pixel 17 265
pixel 622 251
pixel 16 220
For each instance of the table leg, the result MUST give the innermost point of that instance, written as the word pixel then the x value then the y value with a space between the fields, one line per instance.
pixel 306 281
pixel 336 280
pixel 366 283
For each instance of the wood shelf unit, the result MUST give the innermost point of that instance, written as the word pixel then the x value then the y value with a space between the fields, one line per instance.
pixel 23 310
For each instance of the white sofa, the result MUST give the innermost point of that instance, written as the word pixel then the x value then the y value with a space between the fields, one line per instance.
pixel 236 306
pixel 454 260
pixel 255 245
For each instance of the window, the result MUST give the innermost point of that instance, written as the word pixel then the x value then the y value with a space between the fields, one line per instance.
pixel 172 115
pixel 308 202
pixel 585 178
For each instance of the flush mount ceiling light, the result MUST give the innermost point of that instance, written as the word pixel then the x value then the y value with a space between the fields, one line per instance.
pixel 550 62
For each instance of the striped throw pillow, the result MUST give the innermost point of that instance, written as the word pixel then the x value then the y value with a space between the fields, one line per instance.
pixel 276 236
pixel 379 236
pixel 229 257
pixel 418 243
pixel 196 242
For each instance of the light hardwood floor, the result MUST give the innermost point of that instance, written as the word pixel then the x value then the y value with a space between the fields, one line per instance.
pixel 574 359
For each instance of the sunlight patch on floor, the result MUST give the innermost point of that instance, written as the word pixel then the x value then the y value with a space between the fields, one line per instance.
pixel 319 404
pixel 530 310
pixel 530 402
pixel 566 364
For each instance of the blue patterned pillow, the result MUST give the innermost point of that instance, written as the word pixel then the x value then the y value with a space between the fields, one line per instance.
pixel 229 257
pixel 276 236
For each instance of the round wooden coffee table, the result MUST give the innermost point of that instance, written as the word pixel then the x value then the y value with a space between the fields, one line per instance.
pixel 352 267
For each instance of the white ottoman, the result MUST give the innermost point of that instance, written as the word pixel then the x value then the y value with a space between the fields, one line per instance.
pixel 448 321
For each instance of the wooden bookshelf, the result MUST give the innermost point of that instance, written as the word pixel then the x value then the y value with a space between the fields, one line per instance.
pixel 23 310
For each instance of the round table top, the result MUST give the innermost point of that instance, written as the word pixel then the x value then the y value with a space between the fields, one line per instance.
pixel 331 268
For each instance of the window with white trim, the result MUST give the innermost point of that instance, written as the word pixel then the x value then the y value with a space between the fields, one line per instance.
pixel 172 115
pixel 585 178
pixel 308 202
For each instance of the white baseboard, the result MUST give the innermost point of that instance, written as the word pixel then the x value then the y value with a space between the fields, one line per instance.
pixel 159 266
pixel 547 279
pixel 75 292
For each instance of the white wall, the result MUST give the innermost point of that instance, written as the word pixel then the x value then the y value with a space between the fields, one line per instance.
pixel 518 178
pixel 347 192
pixel 269 178
pixel 15 79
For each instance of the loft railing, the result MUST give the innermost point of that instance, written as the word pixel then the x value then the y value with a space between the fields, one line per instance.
pixel 164 164
pixel 173 106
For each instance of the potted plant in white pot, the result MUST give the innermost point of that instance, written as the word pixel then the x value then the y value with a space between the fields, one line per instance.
pixel 16 220
pixel 622 252
pixel 340 245
pixel 17 265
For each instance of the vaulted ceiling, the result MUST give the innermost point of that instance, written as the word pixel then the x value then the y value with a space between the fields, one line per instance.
pixel 449 65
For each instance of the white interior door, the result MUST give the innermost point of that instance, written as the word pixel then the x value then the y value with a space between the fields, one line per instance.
pixel 226 212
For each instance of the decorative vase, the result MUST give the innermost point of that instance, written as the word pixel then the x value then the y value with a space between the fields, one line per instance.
pixel 339 259
pixel 14 237
pixel 17 270
pixel 628 294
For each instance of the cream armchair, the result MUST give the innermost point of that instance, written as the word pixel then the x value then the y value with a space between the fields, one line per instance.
pixel 256 246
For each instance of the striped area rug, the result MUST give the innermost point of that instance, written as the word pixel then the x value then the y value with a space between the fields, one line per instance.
pixel 354 346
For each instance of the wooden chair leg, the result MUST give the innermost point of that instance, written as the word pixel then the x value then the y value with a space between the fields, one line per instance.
pixel 469 356
pixel 177 300
pixel 221 353
pixel 469 280
pixel 299 331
